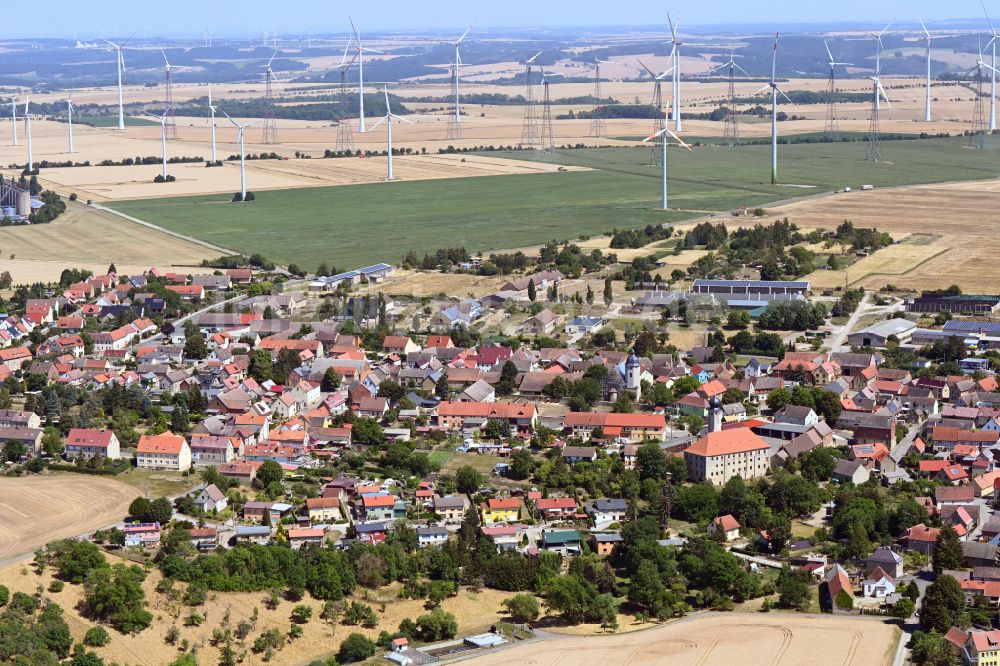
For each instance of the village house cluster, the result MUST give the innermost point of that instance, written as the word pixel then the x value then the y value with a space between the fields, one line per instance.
pixel 736 417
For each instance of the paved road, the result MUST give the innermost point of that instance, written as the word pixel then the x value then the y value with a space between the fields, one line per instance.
pixel 836 342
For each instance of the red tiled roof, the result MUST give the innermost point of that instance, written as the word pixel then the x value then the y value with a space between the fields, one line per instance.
pixel 725 442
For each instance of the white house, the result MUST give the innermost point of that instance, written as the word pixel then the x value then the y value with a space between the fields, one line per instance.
pixel 606 511
pixel 211 499
pixel 431 536
pixel 725 525
pixel 166 451
pixel 878 585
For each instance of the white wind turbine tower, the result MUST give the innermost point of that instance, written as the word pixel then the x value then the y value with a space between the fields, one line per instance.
pixel 212 110
pixel 455 125
pixel 361 76
pixel 243 172
pixel 163 139
pixel 69 119
pixel 120 66
pixel 387 119
pixel 928 37
pixel 662 134
pixel 877 36
pixel 994 36
pixel 13 117
pixel 675 57
pixel 27 131
pixel 773 86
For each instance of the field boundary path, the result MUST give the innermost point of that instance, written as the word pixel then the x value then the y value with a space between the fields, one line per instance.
pixel 150 225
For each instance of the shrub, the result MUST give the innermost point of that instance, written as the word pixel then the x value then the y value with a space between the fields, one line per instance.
pixel 56 586
pixel 355 647
pixel 301 614
pixel 96 637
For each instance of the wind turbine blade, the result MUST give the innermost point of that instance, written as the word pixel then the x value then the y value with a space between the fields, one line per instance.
pixel 368 50
pixel 882 90
pixel 828 51
pixel 784 95
pixel 346 48
pixel 926 31
pixel 380 121
pixel 532 58
pixel 385 90
pixel 402 119
pixel 745 72
pixel 673 28
pixel 655 135
pixel 230 119
pixel 767 87
pixel 988 19
pixel 464 34
pixel 680 142
pixel 774 58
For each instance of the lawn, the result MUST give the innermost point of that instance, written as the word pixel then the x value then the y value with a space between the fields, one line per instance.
pixel 153 484
pixel 483 463
pixel 355 225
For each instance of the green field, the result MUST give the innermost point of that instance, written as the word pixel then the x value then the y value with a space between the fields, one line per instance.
pixel 356 225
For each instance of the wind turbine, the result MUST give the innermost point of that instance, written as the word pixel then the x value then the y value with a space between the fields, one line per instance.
pixel 773 86
pixel 731 133
pixel 877 36
pixel 172 121
pixel 13 117
pixel 27 131
pixel 675 55
pixel 361 75
pixel 387 119
pixel 831 109
pixel 69 118
pixel 994 36
pixel 662 134
pixel 212 110
pixel 456 70
pixel 120 66
pixel 927 55
pixel 239 137
pixel 163 139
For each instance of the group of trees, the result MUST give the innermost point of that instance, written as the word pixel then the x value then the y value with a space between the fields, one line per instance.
pixel 792 316
pixel 111 594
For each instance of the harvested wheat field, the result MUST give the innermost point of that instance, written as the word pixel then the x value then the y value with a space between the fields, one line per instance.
pixel 420 284
pixel 475 613
pixel 85 237
pixel 38 509
pixel 721 639
pixel 887 264
pixel 958 240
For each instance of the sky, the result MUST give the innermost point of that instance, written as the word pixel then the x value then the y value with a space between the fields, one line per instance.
pixel 189 18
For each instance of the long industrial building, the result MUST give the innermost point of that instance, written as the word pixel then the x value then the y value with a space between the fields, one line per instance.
pixel 750 289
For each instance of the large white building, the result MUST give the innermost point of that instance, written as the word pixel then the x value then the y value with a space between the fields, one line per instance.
pixel 719 456
pixel 166 451
pixel 89 442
